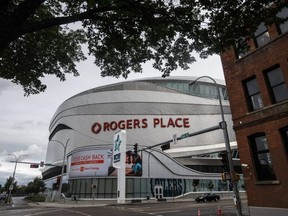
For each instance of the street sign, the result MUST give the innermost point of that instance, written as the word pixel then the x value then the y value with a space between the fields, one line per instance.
pixel 119 149
pixel 184 135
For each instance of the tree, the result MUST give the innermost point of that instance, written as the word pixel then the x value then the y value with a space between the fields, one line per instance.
pixel 8 183
pixel 65 188
pixel 210 186
pixel 35 39
pixel 195 184
pixel 36 186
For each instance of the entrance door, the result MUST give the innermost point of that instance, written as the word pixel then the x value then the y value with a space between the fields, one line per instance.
pixel 158 191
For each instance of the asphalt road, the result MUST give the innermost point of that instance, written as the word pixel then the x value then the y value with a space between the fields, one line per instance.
pixel 21 208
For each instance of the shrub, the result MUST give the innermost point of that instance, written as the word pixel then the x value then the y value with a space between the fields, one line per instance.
pixel 35 198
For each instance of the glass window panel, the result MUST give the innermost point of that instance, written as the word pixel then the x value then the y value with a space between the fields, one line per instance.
pixel 280 93
pixel 262 158
pixel 242 48
pixel 262 35
pixel 78 183
pixel 256 101
pixel 263 39
pixel 261 29
pixel 283 14
pixel 261 143
pixel 252 87
pixel 275 77
pixel 129 188
pixel 284 27
pixel 108 189
pixel 277 86
pixel 284 133
pixel 101 186
pixel 253 95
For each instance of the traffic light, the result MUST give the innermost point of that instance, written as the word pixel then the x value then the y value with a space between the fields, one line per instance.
pixel 136 149
pixel 34 165
pixel 225 162
pixel 58 179
pixel 166 146
pixel 42 164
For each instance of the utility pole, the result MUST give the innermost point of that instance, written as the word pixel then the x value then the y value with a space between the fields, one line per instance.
pixel 223 126
pixel 13 177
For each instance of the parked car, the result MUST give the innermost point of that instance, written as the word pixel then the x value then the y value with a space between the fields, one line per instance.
pixel 207 197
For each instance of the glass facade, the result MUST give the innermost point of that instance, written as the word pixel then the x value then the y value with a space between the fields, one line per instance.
pixel 106 188
pixel 199 89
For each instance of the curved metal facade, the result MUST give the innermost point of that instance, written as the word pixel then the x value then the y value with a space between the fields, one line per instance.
pixel 150 111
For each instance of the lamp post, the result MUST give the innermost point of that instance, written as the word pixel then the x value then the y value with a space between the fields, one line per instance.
pixel 63 164
pixel 11 186
pixel 223 126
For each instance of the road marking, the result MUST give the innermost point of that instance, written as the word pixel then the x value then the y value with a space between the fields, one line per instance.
pixel 78 212
pixel 44 212
pixel 164 212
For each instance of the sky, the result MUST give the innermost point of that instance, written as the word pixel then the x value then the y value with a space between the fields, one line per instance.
pixel 24 121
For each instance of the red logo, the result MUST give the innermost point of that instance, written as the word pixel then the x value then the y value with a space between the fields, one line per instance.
pixel 96 128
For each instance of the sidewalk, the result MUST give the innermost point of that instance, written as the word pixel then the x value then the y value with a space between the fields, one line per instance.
pixel 98 202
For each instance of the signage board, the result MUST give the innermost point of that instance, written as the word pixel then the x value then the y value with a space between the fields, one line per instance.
pixel 119 149
pixel 90 163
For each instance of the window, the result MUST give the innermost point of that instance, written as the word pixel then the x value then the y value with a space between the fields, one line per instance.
pixel 284 134
pixel 261 157
pixel 253 94
pixel 283 27
pixel 261 35
pixel 242 48
pixel 277 86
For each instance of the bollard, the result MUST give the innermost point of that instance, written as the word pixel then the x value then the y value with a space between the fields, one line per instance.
pixel 199 213
pixel 75 198
pixel 219 212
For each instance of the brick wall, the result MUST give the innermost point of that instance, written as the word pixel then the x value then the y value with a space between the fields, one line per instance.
pixel 268 119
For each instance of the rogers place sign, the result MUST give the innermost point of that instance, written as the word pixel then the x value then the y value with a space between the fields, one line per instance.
pixel 140 124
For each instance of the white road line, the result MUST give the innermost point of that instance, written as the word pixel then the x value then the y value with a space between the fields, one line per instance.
pixel 45 212
pixel 39 213
pixel 164 212
pixel 77 212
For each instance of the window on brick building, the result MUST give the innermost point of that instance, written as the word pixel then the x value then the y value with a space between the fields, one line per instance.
pixel 261 157
pixel 277 87
pixel 261 35
pixel 283 27
pixel 241 48
pixel 253 95
pixel 284 134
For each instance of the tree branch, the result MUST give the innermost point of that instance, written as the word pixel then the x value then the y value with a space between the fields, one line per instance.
pixel 50 22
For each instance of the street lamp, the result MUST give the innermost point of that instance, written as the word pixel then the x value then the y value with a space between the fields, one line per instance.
pixel 223 126
pixel 11 186
pixel 63 164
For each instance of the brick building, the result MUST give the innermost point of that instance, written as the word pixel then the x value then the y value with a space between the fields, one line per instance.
pixel 257 80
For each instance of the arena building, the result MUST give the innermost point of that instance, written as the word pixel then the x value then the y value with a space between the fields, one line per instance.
pixel 151 111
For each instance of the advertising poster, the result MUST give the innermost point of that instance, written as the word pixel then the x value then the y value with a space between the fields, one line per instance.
pixel 90 163
pixel 98 162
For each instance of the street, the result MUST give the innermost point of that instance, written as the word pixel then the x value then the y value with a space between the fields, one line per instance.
pixel 179 208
